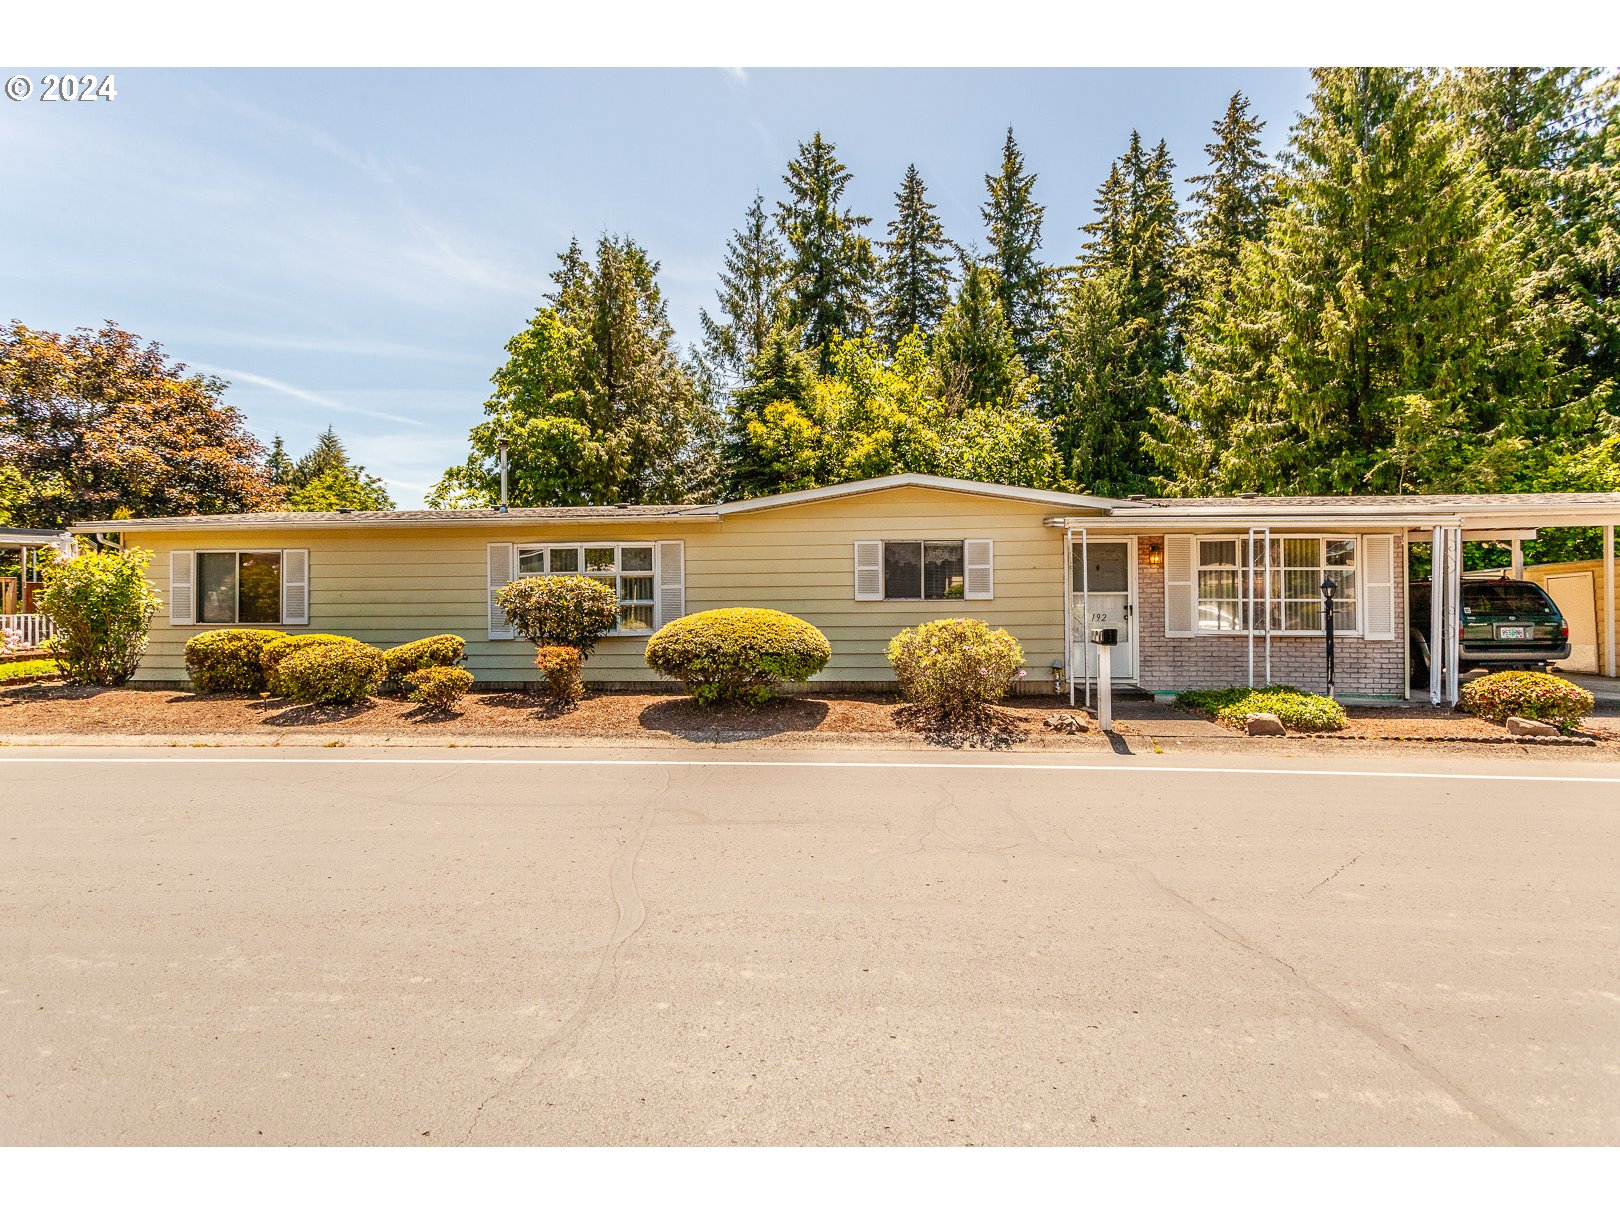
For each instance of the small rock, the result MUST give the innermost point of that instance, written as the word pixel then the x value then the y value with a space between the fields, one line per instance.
pixel 1066 723
pixel 1264 723
pixel 1531 729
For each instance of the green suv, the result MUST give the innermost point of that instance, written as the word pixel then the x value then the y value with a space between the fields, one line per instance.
pixel 1505 623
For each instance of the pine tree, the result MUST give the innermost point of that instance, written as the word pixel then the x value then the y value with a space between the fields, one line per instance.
pixel 1373 341
pixel 593 398
pixel 278 466
pixel 1014 219
pixel 780 374
pixel 752 297
pixel 1232 201
pixel 325 479
pixel 916 273
pixel 830 262
pixel 973 348
pixel 1117 339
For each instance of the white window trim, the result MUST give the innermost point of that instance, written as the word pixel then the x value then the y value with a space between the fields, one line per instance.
pixel 1241 538
pixel 236 608
pixel 519 550
pixel 883 570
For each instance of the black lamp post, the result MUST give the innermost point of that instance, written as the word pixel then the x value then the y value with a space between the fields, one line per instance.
pixel 1328 588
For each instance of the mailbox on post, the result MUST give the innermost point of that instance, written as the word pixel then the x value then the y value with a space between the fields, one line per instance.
pixel 1105 639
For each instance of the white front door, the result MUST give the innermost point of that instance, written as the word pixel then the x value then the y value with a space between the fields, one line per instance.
pixel 1104 590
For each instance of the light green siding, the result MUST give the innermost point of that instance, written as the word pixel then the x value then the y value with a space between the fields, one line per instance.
pixel 389 584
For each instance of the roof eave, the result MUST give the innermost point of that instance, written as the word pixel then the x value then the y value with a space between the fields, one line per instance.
pixel 249 523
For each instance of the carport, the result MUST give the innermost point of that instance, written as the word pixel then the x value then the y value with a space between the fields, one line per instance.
pixel 1510 518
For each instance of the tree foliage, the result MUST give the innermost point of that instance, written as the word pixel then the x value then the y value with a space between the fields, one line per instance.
pixel 916 274
pixel 830 261
pixel 752 297
pixel 593 399
pixel 1023 283
pixel 324 478
pixel 974 350
pixel 94 425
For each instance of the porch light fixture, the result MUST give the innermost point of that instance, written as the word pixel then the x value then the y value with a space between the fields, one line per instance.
pixel 1155 553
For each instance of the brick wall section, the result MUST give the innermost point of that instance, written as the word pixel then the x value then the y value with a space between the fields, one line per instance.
pixel 1177 664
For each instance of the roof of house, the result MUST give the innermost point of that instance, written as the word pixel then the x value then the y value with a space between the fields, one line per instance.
pixel 354 518
pixel 1432 501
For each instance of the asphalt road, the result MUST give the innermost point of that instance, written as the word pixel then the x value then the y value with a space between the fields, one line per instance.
pixel 352 947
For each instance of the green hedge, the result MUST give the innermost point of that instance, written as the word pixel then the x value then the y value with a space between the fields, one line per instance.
pixel 1528 694
pixel 1297 710
pixel 956 667
pixel 737 654
pixel 445 650
pixel 439 688
pixel 338 672
pixel 275 651
pixel 229 660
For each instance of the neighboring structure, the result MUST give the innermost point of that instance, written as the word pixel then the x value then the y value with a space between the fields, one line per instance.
pixel 32 546
pixel 864 560
pixel 1586 594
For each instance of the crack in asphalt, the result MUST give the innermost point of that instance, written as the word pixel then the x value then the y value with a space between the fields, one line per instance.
pixel 1332 875
pixel 1374 1033
pixel 630 914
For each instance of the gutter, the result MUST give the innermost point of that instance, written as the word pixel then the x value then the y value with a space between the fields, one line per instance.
pixel 246 524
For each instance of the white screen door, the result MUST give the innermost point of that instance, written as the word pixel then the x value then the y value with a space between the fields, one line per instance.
pixel 1110 603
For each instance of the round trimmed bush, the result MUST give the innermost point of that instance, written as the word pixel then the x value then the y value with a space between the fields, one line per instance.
pixel 275 651
pixel 439 688
pixel 1528 694
pixel 339 672
pixel 445 650
pixel 738 654
pixel 956 668
pixel 229 660
pixel 561 665
pixel 561 610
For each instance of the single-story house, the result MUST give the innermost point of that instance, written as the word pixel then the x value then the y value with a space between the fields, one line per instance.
pixel 1203 592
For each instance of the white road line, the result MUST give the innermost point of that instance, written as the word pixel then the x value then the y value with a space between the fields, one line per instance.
pixel 493 761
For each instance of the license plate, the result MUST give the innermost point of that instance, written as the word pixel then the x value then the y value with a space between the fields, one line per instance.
pixel 1513 632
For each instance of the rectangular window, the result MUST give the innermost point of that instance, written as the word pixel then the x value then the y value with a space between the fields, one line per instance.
pixel 922 569
pixel 1228 578
pixel 627 568
pixel 238 588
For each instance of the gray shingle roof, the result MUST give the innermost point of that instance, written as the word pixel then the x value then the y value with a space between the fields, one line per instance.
pixel 283 518
pixel 1438 501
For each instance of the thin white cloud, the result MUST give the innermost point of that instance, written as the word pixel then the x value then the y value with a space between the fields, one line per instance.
pixel 736 74
pixel 357 347
pixel 301 394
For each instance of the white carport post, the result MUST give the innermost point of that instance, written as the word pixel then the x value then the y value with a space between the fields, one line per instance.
pixel 1454 566
pixel 1609 598
pixel 1518 557
pixel 1437 612
pixel 1085 610
pixel 1068 611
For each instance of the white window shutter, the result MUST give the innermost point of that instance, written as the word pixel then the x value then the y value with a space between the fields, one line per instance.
pixel 182 600
pixel 500 573
pixel 868 569
pixel 295 586
pixel 671 581
pixel 1377 590
pixel 978 569
pixel 1180 593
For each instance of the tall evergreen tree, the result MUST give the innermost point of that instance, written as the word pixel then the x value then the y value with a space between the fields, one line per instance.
pixel 278 465
pixel 781 374
pixel 1373 341
pixel 830 261
pixel 916 273
pixel 325 479
pixel 1023 282
pixel 1135 243
pixel 1231 203
pixel 973 348
pixel 594 400
pixel 752 297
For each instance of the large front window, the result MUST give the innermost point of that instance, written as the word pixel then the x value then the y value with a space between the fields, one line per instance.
pixel 627 568
pixel 239 588
pixel 922 569
pixel 1230 579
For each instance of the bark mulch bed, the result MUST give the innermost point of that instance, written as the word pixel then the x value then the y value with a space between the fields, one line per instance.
pixel 58 711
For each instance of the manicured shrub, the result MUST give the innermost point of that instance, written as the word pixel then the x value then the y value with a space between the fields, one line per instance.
pixel 569 610
pixel 439 688
pixel 1297 710
pixel 561 665
pixel 1528 694
pixel 738 654
pixel 445 650
pixel 956 668
pixel 338 672
pixel 101 605
pixel 229 660
pixel 275 651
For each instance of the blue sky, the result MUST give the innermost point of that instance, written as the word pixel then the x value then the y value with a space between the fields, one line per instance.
pixel 355 247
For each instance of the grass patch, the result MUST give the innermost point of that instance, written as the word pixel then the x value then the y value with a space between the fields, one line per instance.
pixel 1297 710
pixel 29 667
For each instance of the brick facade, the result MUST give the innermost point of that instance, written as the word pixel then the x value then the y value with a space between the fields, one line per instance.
pixel 1176 664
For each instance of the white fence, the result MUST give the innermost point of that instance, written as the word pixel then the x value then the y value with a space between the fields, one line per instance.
pixel 34 628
